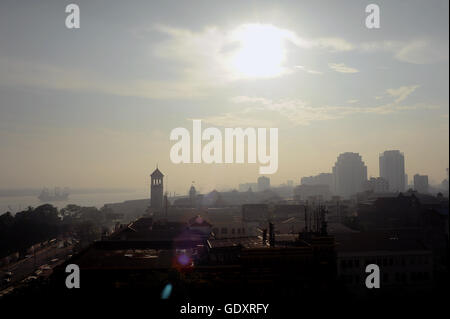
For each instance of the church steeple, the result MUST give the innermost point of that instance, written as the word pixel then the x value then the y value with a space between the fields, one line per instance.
pixel 156 189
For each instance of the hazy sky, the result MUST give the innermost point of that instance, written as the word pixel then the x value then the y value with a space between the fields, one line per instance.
pixel 94 107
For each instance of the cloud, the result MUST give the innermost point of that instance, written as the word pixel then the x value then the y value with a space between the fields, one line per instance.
pixel 262 112
pixel 201 60
pixel 310 71
pixel 25 73
pixel 329 44
pixel 415 51
pixel 402 92
pixel 422 52
pixel 209 52
pixel 342 68
pixel 334 44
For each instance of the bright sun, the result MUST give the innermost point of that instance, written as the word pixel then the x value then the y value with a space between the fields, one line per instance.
pixel 261 50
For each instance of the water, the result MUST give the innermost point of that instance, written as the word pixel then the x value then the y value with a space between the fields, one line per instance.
pixel 19 203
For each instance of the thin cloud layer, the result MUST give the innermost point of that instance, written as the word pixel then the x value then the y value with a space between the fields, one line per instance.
pixel 342 68
pixel 266 112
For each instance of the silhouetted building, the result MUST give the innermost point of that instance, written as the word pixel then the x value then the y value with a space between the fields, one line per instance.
pixel 286 264
pixel 406 264
pixel 349 174
pixel 392 168
pixel 248 186
pixel 255 212
pixel 263 183
pixel 199 224
pixel 320 179
pixel 421 183
pixel 302 192
pixel 376 185
pixel 156 190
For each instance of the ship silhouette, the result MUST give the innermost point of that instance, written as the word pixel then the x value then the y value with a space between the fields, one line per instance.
pixel 57 195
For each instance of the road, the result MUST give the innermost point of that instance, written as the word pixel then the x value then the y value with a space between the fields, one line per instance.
pixel 27 266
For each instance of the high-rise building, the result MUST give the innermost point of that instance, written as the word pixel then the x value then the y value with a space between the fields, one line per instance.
pixel 263 183
pixel 156 190
pixel 349 174
pixel 392 168
pixel 421 183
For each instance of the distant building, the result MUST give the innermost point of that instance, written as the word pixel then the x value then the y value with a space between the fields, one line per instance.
pixel 156 190
pixel 302 192
pixel 255 212
pixel 392 168
pixel 421 183
pixel 321 179
pixel 405 262
pixel 199 224
pixel 377 185
pixel 232 229
pixel 247 186
pixel 349 174
pixel 263 183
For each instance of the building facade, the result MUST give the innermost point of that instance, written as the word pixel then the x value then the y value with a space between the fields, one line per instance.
pixel 377 185
pixel 263 183
pixel 421 183
pixel 349 174
pixel 392 168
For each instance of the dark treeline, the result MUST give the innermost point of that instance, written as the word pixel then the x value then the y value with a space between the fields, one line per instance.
pixel 35 225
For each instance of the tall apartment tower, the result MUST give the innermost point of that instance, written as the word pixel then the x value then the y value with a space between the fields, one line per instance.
pixel 349 174
pixel 392 168
pixel 156 190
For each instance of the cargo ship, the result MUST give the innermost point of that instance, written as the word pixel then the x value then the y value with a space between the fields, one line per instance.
pixel 57 195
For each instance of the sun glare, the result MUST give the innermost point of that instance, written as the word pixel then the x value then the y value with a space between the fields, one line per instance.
pixel 261 50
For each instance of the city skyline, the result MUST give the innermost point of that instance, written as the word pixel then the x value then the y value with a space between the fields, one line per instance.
pixel 94 107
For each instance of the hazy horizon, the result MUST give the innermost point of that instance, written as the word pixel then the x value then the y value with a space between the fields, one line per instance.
pixel 94 107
